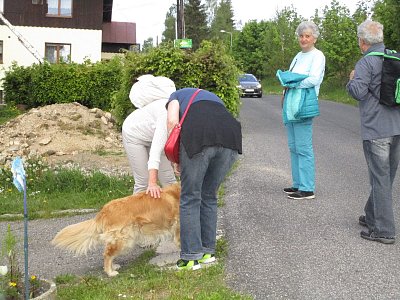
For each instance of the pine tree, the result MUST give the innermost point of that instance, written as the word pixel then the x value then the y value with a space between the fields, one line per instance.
pixel 223 18
pixel 195 22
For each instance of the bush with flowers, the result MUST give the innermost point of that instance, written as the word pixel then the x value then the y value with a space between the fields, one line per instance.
pixel 11 279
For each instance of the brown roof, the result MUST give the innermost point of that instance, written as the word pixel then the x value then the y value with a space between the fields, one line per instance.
pixel 119 32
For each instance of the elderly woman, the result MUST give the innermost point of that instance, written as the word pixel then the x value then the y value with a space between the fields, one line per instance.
pixel 309 66
pixel 211 140
pixel 144 133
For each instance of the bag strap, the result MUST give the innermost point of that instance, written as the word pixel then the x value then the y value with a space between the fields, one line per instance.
pixel 375 54
pixel 385 55
pixel 187 108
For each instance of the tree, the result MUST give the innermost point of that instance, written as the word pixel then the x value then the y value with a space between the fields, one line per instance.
pixel 195 22
pixel 223 19
pixel 170 24
pixel 362 12
pixel 387 12
pixel 249 50
pixel 264 47
pixel 148 44
pixel 280 41
pixel 338 41
pixel 211 6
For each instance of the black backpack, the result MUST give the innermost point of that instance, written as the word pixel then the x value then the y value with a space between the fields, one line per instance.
pixel 390 83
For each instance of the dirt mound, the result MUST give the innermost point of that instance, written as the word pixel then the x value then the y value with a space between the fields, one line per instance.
pixel 65 134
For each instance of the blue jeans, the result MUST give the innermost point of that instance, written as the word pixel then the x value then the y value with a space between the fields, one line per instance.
pixel 382 156
pixel 201 177
pixel 301 154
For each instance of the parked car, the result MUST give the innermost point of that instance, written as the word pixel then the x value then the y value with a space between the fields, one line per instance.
pixel 249 85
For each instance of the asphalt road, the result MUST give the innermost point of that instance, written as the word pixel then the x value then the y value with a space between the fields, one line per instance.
pixel 308 249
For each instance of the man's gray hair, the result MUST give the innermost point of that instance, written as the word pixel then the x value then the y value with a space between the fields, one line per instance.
pixel 308 25
pixel 370 32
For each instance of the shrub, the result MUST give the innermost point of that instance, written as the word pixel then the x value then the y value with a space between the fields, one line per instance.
pixel 106 85
pixel 210 67
pixel 90 84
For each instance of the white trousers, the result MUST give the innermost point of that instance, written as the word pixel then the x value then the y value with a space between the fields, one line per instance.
pixel 138 155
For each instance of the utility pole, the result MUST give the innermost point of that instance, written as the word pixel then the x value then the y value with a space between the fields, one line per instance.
pixel 20 37
pixel 180 20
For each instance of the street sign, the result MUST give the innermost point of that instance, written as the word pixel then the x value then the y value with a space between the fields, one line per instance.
pixel 183 43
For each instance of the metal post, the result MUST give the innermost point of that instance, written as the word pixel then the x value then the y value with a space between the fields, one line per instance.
pixel 230 36
pixel 27 288
pixel 180 23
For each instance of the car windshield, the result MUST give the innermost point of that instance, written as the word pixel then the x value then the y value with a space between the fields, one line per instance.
pixel 248 77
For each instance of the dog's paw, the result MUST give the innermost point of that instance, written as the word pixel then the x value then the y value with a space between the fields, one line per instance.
pixel 112 273
pixel 116 266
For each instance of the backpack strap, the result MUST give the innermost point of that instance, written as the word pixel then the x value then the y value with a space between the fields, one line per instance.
pixel 375 54
pixel 387 54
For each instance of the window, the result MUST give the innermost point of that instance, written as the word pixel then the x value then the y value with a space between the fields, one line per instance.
pixel 59 8
pixel 58 52
pixel 1 52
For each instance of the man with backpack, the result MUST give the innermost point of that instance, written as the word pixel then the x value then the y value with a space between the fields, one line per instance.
pixel 380 132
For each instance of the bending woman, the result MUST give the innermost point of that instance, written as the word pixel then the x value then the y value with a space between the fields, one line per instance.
pixel 144 133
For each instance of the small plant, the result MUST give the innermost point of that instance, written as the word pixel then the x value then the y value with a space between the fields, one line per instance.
pixel 7 113
pixel 11 279
pixel 11 276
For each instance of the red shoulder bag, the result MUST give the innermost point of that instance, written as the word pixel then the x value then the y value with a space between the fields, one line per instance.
pixel 171 147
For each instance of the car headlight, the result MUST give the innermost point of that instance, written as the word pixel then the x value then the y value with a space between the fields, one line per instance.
pixel 259 86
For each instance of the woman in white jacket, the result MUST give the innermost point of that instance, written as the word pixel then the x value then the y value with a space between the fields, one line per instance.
pixel 144 133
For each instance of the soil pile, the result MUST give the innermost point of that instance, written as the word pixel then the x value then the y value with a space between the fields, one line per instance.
pixel 65 134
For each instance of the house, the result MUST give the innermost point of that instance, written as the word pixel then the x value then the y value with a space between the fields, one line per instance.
pixel 68 30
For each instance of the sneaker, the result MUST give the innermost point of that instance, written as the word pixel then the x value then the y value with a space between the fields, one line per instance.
pixel 301 195
pixel 187 264
pixel 371 236
pixel 362 222
pixel 207 259
pixel 290 190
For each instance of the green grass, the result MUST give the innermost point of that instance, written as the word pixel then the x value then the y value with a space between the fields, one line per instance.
pixel 50 190
pixel 7 113
pixel 141 280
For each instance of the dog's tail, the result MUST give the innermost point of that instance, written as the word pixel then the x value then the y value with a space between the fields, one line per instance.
pixel 78 238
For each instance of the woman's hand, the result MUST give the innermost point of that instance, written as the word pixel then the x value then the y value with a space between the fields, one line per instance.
pixel 177 169
pixel 351 76
pixel 154 190
pixel 152 187
pixel 283 96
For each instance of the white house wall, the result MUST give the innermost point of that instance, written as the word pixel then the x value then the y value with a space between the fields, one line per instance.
pixel 85 44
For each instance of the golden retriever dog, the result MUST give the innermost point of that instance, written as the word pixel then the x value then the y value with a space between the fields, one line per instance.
pixel 123 223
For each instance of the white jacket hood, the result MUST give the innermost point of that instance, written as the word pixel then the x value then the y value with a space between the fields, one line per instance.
pixel 149 88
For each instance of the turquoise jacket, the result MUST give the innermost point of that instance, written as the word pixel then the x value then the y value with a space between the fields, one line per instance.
pixel 299 104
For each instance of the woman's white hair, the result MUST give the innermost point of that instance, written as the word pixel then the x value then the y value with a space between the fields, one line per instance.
pixel 308 25
pixel 370 32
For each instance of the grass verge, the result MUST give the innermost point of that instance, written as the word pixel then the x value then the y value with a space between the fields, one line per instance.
pixel 141 280
pixel 50 190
